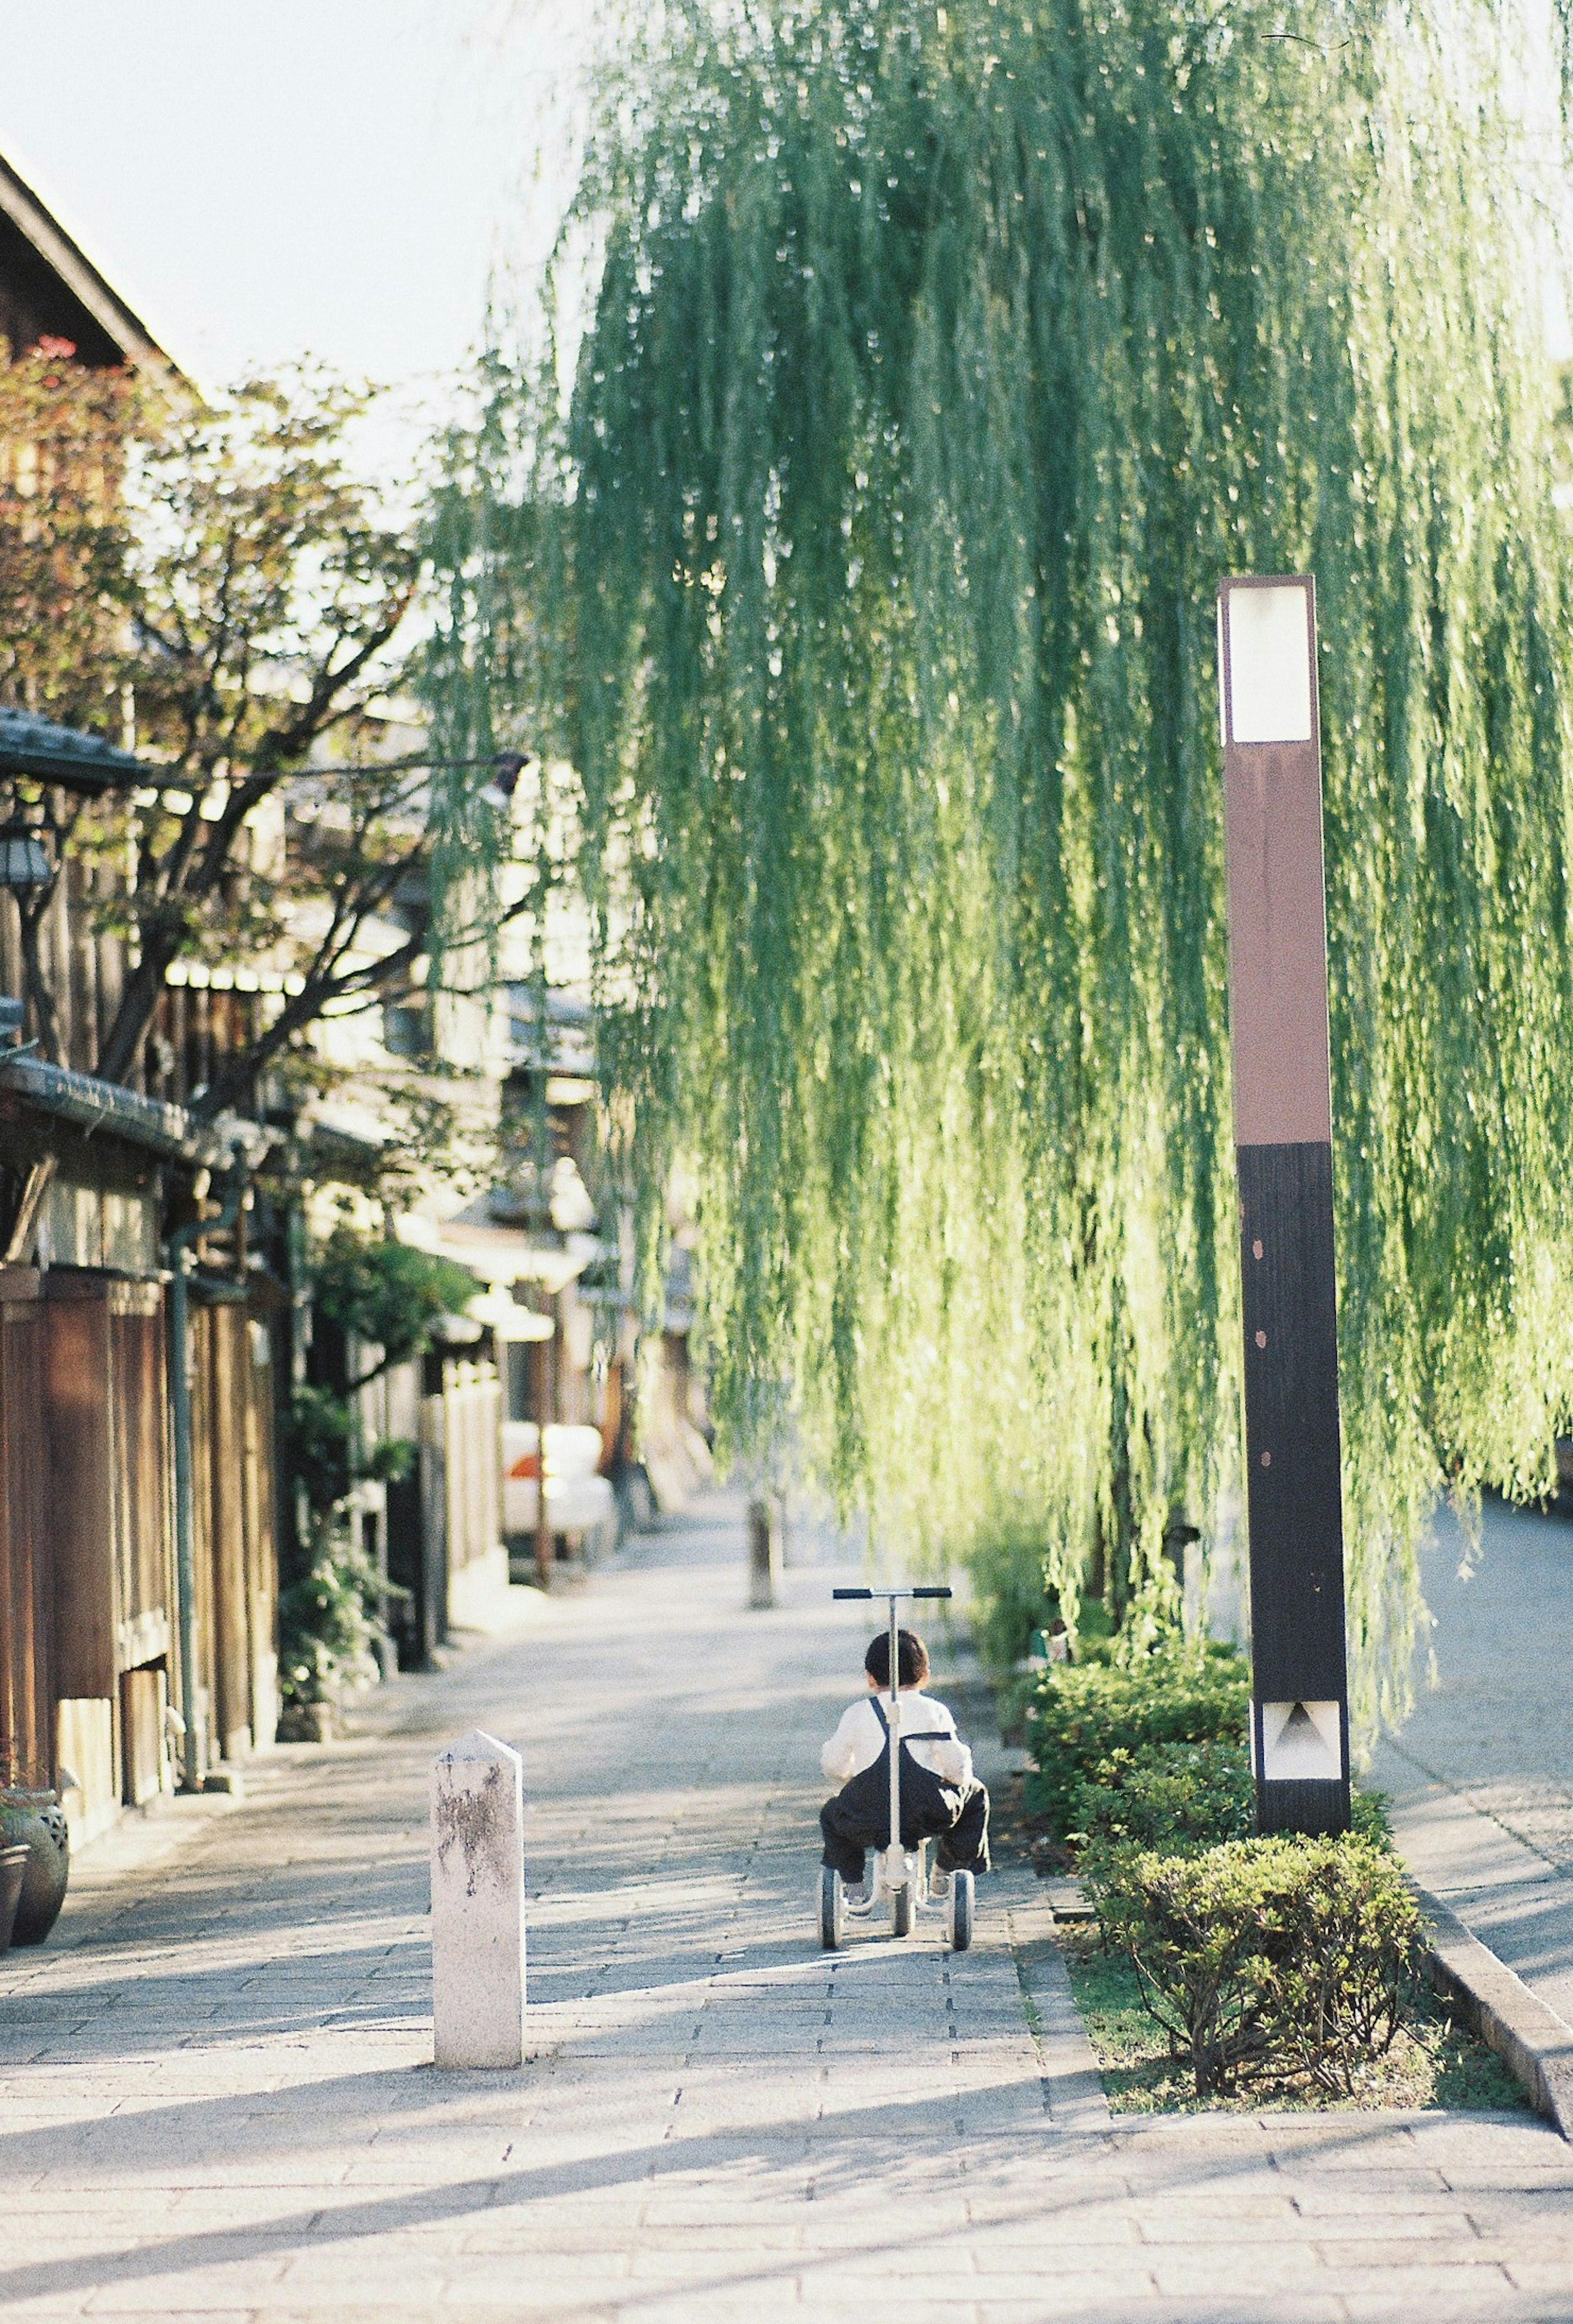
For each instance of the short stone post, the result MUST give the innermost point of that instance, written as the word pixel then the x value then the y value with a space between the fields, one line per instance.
pixel 477 1903
pixel 764 1550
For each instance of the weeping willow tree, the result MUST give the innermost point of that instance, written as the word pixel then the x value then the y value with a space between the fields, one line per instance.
pixel 939 362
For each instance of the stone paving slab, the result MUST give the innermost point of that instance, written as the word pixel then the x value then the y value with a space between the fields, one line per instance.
pixel 1481 1778
pixel 217 2099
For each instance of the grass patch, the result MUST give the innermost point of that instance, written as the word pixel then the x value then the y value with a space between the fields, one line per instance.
pixel 1435 2060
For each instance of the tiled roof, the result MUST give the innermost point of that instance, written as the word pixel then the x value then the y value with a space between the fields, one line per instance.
pixel 60 754
pixel 84 1099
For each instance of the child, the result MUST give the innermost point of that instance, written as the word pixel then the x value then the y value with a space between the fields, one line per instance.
pixel 941 1798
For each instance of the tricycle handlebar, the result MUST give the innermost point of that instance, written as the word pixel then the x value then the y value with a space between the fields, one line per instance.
pixel 916 1590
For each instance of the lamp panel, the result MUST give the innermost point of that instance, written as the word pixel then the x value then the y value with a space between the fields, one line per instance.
pixel 1269 665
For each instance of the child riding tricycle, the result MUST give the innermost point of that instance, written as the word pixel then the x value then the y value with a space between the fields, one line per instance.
pixel 906 1782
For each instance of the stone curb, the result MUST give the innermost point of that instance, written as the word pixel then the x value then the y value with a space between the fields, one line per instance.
pixel 1075 2096
pixel 1527 2035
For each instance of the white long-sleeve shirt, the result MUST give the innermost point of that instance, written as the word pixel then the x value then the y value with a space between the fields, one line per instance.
pixel 860 1739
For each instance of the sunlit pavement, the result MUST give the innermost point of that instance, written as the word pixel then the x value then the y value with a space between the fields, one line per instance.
pixel 215 2097
pixel 1481 1779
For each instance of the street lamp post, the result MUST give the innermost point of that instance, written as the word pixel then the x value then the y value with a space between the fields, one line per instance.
pixel 1278 1015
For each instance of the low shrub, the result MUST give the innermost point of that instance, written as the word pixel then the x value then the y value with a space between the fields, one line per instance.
pixel 1097 1632
pixel 1179 1797
pixel 1175 1797
pixel 1081 1714
pixel 329 1632
pixel 1010 1597
pixel 1267 1956
pixel 1368 1817
pixel 1435 2060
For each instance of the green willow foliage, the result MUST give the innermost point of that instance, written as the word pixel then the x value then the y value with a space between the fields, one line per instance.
pixel 942 360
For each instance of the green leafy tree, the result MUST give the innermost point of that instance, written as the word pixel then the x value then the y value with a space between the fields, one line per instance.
pixel 941 362
pixel 64 433
pixel 224 576
pixel 329 1634
pixel 265 590
pixel 387 1293
pixel 219 574
pixel 380 1293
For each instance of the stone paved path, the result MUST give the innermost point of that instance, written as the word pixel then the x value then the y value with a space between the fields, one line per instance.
pixel 214 2099
pixel 1481 1779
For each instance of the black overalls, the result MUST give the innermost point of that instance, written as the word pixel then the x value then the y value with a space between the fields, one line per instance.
pixel 859 1817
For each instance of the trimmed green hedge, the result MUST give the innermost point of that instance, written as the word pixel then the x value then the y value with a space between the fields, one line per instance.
pixel 1176 1797
pixel 1081 1715
pixel 1283 1955
pixel 1287 1957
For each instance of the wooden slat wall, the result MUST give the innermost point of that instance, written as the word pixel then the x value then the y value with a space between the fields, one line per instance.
pixel 226 1482
pixel 433 1517
pixel 233 1541
pixel 262 1538
pixel 26 1678
pixel 108 1514
pixel 143 1517
pixel 202 1545
pixel 84 963
pixel 82 1496
pixel 472 1411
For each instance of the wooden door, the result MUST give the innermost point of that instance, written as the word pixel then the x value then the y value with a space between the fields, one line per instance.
pixel 109 1517
pixel 144 1694
pixel 84 1498
pixel 140 1468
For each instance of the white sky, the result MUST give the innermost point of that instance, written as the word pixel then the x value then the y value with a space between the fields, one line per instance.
pixel 262 180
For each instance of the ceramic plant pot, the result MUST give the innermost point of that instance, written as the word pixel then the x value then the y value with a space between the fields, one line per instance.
pixel 14 1859
pixel 37 1821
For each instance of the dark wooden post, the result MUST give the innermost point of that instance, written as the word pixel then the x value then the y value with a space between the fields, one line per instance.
pixel 764 1550
pixel 1283 1151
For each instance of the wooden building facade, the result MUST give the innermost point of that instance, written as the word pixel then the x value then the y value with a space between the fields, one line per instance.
pixel 91 1175
pixel 89 1610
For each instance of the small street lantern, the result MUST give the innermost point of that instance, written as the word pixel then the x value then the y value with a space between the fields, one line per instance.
pixel 25 860
pixel 1278 1023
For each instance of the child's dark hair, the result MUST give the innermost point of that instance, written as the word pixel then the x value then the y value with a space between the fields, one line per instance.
pixel 911 1658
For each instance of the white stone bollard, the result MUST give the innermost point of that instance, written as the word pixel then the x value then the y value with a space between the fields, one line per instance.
pixel 477 1903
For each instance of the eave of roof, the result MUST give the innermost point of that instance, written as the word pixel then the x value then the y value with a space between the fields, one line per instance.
pixel 48 753
pixel 93 1104
pixel 507 1254
pixel 77 271
pixel 110 1110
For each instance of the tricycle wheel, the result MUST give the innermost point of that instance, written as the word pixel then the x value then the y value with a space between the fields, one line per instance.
pixel 831 1907
pixel 901 1910
pixel 961 1914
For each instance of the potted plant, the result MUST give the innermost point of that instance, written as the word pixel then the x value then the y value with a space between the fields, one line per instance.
pixel 32 1817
